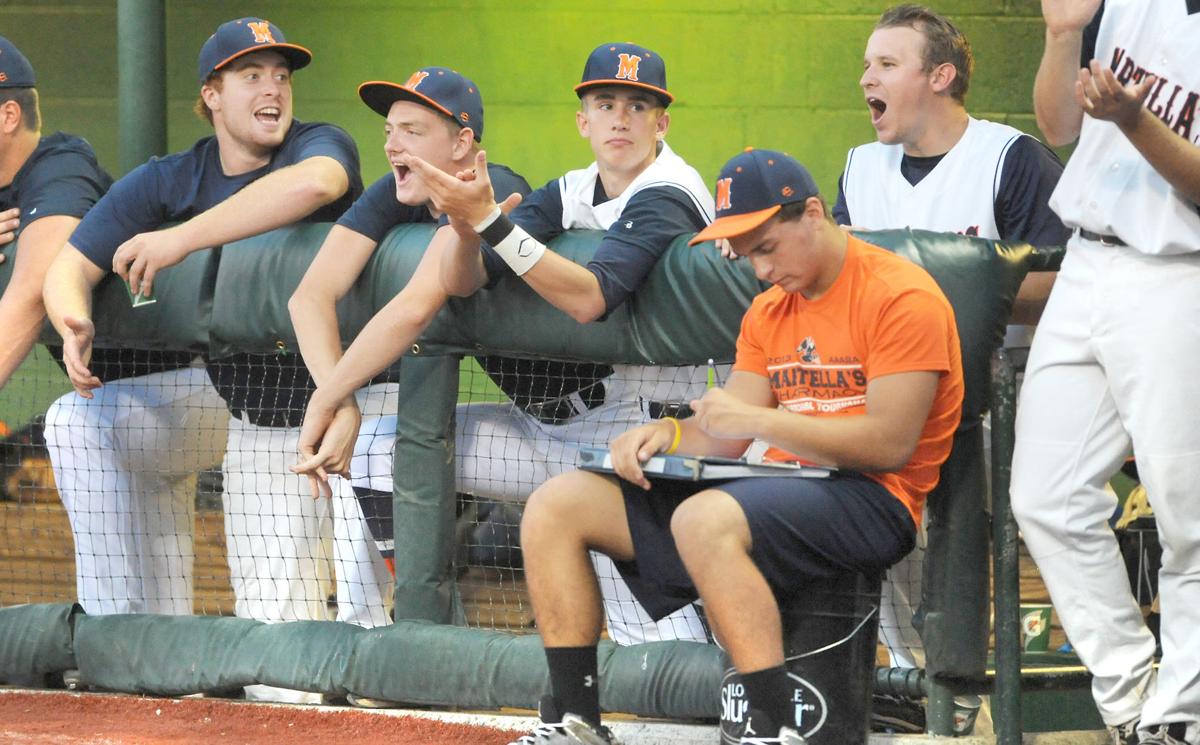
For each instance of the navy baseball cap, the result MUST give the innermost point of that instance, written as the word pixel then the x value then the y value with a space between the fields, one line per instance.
pixel 752 187
pixel 626 64
pixel 15 70
pixel 439 88
pixel 238 38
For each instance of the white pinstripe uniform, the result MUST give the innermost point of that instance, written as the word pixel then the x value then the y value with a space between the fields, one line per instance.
pixel 1117 350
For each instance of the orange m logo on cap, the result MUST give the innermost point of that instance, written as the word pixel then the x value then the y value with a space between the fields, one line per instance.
pixel 262 32
pixel 627 67
pixel 724 191
pixel 415 79
pixel 3 76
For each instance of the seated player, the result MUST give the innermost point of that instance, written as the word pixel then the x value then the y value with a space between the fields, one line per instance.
pixel 873 322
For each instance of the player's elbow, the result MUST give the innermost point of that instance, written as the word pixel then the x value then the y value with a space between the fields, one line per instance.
pixel 588 308
pixel 892 454
pixel 323 182
pixel 1058 128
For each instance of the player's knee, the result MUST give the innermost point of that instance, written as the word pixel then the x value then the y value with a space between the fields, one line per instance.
pixel 547 511
pixel 706 522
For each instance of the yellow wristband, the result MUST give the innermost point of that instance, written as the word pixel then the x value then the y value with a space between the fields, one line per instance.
pixel 678 435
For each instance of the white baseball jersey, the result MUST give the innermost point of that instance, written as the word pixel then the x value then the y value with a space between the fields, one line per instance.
pixel 1108 187
pixel 578 189
pixel 668 169
pixel 958 195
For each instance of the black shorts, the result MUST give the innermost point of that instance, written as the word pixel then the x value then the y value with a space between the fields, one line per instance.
pixel 799 528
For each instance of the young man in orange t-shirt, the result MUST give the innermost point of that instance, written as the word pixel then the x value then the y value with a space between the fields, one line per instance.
pixel 852 359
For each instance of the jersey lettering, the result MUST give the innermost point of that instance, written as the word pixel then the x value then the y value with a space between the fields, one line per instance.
pixel 1180 122
pixel 627 67
pixel 724 193
pixel 262 32
pixel 415 79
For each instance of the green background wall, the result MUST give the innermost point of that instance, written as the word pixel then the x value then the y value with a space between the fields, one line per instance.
pixel 775 73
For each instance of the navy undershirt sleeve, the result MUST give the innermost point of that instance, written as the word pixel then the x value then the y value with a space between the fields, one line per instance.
pixel 1031 171
pixel 539 214
pixel 651 220
pixel 841 212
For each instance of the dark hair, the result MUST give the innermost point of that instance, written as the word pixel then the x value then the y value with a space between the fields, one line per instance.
pixel 27 99
pixel 944 43
pixel 795 210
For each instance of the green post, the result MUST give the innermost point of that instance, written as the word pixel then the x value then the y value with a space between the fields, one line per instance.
pixel 141 81
pixel 1006 703
pixel 424 491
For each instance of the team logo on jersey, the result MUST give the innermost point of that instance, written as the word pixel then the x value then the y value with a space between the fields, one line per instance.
pixel 415 79
pixel 724 193
pixel 3 76
pixel 808 351
pixel 627 67
pixel 262 32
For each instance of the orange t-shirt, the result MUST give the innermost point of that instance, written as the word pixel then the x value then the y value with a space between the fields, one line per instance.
pixel 882 315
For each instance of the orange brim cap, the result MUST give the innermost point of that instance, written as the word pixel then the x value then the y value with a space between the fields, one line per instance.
pixel 732 226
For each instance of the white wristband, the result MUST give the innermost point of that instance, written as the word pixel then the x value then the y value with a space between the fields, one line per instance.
pixel 491 218
pixel 520 250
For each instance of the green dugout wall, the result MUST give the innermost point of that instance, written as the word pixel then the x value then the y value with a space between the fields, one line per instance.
pixel 768 73
pixel 221 301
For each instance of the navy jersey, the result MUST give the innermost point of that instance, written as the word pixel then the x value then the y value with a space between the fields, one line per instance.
pixel 177 187
pixel 269 390
pixel 62 178
pixel 1021 207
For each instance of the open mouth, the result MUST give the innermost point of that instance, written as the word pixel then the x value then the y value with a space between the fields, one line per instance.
pixel 877 108
pixel 401 172
pixel 268 115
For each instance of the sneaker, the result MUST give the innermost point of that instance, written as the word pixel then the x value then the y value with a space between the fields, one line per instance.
pixel 897 716
pixel 1124 734
pixel 1164 734
pixel 564 729
pixel 758 722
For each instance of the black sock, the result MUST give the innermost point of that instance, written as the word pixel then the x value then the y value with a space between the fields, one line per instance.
pixel 574 681
pixel 770 691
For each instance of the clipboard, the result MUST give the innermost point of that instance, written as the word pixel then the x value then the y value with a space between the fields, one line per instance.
pixel 703 467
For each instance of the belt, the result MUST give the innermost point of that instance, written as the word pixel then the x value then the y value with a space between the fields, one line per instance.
pixel 1104 240
pixel 559 410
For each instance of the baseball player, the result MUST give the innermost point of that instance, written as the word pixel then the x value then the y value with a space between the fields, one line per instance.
pixel 890 333
pixel 643 196
pixel 1115 351
pixel 438 114
pixel 46 184
pixel 261 170
pixel 935 167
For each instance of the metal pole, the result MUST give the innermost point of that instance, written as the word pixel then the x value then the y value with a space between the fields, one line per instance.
pixel 141 81
pixel 1006 703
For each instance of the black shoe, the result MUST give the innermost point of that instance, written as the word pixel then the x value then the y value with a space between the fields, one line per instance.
pixel 899 716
